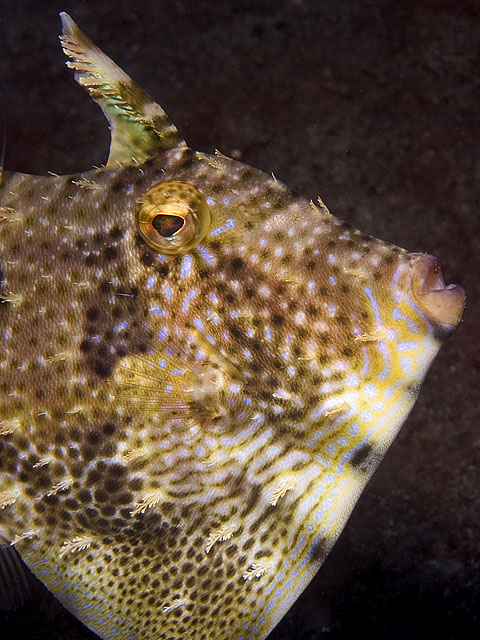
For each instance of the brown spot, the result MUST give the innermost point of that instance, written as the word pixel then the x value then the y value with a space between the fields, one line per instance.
pixel 360 457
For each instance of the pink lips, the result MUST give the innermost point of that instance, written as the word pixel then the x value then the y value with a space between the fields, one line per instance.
pixel 442 304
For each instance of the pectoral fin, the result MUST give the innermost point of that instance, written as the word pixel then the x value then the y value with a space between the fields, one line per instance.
pixel 139 127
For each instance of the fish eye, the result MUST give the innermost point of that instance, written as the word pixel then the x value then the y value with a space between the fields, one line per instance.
pixel 173 217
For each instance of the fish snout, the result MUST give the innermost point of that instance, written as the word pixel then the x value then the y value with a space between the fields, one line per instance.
pixel 443 305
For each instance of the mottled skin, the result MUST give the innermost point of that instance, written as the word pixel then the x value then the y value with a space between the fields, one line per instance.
pixel 183 435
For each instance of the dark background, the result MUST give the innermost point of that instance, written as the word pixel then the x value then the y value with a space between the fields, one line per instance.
pixel 373 105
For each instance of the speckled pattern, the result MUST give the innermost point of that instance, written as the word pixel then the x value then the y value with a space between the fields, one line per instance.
pixel 438 237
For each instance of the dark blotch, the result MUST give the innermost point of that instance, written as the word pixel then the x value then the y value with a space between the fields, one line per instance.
pixel 102 368
pixel 93 314
pixel 110 253
pixel 237 264
pixel 147 259
pixel 361 456
pixel 318 551
pixel 116 233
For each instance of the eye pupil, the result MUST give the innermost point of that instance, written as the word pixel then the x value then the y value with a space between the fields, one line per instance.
pixel 167 225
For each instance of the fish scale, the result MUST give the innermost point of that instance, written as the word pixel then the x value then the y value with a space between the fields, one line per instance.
pixel 201 373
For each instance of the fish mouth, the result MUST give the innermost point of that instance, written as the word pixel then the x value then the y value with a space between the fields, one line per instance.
pixel 442 304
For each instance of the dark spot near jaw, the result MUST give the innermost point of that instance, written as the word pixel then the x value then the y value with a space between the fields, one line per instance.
pixel 318 551
pixel 118 186
pixel 388 260
pixel 360 457
pixel 442 331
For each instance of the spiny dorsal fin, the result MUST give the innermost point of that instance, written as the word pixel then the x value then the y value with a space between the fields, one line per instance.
pixel 139 127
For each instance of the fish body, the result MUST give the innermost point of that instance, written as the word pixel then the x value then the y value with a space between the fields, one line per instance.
pixel 200 373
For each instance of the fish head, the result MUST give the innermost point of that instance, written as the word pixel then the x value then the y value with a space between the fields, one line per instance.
pixel 283 290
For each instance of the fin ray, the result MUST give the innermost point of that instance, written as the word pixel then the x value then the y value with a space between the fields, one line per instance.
pixel 14 586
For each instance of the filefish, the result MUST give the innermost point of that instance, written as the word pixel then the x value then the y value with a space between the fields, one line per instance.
pixel 200 371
